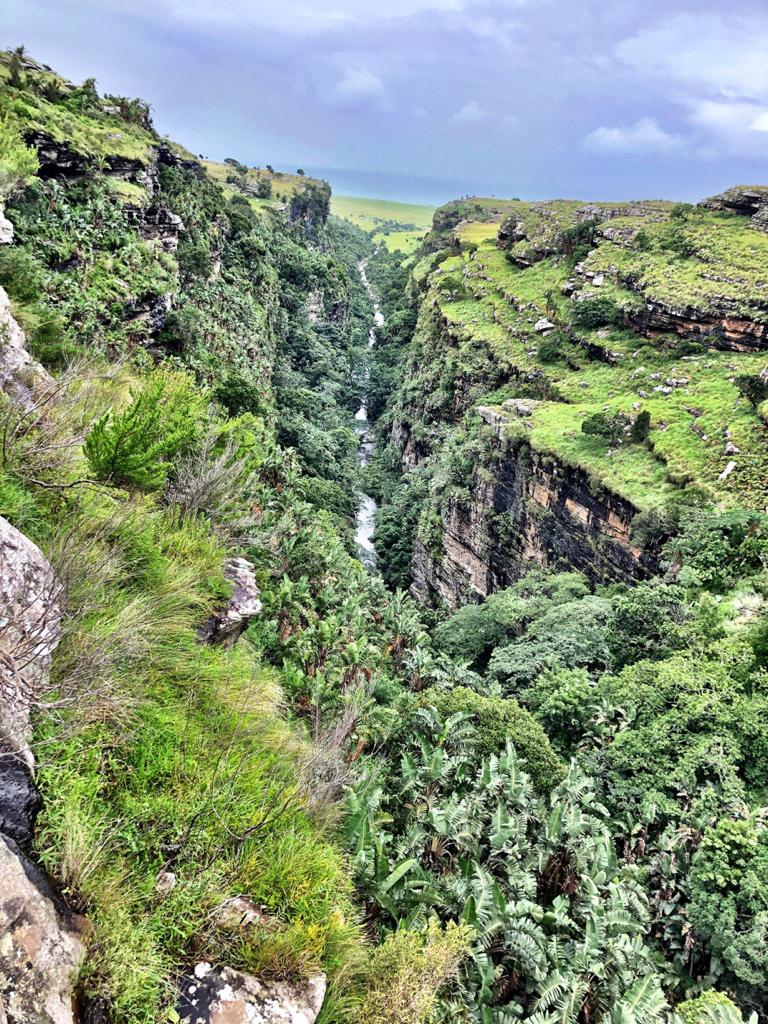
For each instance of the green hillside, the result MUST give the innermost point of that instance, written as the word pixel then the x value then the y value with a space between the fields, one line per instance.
pixel 399 226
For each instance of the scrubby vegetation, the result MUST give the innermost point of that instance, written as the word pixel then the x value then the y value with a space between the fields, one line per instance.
pixel 546 806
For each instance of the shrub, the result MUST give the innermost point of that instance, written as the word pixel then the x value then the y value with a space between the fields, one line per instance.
pixel 603 424
pixel 238 392
pixel 641 427
pixel 599 311
pixel 550 347
pixel 497 719
pixel 406 972
pixel 134 447
pixel 753 387
pixel 710 1007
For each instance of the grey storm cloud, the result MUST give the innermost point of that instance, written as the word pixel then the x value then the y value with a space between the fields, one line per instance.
pixel 523 97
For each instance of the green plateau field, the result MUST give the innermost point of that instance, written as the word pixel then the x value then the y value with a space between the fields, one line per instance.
pixel 399 226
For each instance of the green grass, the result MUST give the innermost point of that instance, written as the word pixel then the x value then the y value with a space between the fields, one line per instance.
pixel 162 753
pixel 398 226
pixel 724 267
pixel 490 300
pixel 284 185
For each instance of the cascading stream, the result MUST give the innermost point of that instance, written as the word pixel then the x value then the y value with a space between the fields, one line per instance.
pixel 366 509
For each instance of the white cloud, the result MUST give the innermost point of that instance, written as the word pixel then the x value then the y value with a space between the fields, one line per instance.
pixel 642 137
pixel 711 53
pixel 471 113
pixel 727 118
pixel 760 123
pixel 360 88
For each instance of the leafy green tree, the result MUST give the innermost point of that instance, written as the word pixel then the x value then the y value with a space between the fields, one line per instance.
pixel 497 720
pixel 610 426
pixel 646 622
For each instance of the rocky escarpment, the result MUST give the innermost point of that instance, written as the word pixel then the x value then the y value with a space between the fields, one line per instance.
pixel 531 510
pixel 747 200
pixel 539 230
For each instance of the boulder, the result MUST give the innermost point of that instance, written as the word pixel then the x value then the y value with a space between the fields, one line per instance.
pixel 240 913
pixel 40 950
pixel 19 372
pixel 227 625
pixel 30 628
pixel 224 996
pixel 747 200
pixel 543 325
pixel 6 230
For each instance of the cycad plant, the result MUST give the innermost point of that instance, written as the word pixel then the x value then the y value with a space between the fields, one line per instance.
pixel 558 921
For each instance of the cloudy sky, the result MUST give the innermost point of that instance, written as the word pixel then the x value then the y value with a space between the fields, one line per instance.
pixel 434 98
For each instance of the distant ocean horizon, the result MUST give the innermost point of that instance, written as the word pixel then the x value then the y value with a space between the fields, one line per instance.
pixel 403 188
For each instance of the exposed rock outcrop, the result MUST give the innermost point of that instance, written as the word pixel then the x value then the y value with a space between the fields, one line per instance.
pixel 225 626
pixel 719 328
pixel 56 159
pixel 532 510
pixel 157 224
pixel 6 230
pixel 224 996
pixel 747 200
pixel 30 626
pixel 40 950
pixel 19 372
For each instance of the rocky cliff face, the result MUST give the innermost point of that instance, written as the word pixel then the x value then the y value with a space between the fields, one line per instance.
pixel 532 510
pixel 592 312
pixel 40 948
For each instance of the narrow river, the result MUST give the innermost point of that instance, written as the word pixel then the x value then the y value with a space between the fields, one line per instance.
pixel 366 510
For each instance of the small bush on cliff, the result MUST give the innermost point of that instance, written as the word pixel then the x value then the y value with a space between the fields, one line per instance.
pixel 753 387
pixel 134 447
pixel 599 311
pixel 602 424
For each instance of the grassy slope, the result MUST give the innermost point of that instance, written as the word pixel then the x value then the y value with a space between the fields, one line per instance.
pixel 377 216
pixel 483 296
pixel 169 750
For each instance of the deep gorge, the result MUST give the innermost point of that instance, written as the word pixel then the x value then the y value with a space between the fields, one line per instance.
pixel 382 610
